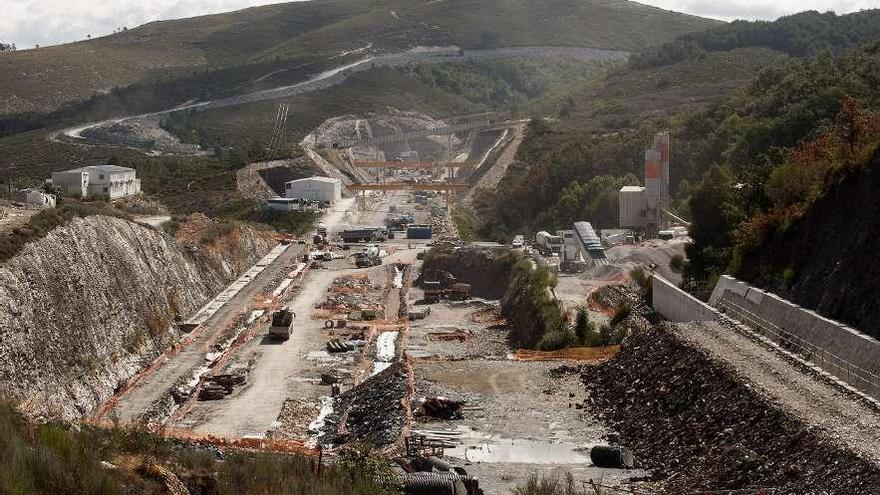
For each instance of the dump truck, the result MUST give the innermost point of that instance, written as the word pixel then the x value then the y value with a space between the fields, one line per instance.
pixel 369 257
pixel 366 234
pixel 282 323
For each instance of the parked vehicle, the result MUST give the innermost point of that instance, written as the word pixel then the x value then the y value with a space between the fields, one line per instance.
pixel 369 257
pixel 367 234
pixel 419 232
pixel 518 242
pixel 445 286
pixel 547 243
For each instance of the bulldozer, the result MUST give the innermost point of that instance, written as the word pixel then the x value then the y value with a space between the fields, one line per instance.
pixel 445 286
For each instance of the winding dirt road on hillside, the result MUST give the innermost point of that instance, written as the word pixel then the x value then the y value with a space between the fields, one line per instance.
pixel 332 77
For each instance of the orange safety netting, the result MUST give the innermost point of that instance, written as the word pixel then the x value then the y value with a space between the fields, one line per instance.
pixel 594 354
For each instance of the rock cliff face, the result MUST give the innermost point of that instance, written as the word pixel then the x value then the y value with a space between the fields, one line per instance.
pixel 828 260
pixel 85 308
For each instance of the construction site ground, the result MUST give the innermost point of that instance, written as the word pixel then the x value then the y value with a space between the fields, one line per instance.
pixel 520 417
pixel 828 409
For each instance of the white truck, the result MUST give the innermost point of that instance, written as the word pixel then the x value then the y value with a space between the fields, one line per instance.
pixel 548 243
pixel 369 257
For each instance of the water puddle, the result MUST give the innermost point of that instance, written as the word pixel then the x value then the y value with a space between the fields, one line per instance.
pixel 398 278
pixel 386 351
pixel 475 447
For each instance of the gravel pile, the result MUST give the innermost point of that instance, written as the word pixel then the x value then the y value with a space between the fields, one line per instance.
pixel 373 411
pixel 693 422
pixel 294 419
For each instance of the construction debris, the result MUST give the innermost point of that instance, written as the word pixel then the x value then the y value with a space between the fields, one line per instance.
pixel 372 411
pixel 219 386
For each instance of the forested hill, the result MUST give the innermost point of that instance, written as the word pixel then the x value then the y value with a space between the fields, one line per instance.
pixel 799 35
pixel 741 109
pixel 262 40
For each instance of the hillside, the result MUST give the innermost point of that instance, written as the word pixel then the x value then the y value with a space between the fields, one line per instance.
pixel 736 97
pixel 826 259
pixel 45 312
pixel 278 37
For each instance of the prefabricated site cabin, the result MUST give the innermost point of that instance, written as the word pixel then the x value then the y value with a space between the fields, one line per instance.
pixel 326 189
pixel 107 180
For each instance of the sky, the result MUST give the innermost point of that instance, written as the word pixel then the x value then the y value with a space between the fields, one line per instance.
pixel 44 22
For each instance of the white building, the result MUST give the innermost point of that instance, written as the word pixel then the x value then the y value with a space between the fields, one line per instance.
pixel 35 197
pixel 108 180
pixel 314 188
pixel 633 209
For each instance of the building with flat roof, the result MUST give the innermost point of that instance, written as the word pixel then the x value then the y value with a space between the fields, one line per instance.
pixel 325 189
pixel 108 180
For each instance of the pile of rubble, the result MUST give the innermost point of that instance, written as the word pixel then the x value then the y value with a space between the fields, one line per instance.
pixel 220 385
pixel 294 418
pixel 349 293
pixel 696 424
pixel 351 283
pixel 372 411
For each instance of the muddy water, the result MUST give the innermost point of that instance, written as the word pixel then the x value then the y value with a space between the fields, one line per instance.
pixel 477 447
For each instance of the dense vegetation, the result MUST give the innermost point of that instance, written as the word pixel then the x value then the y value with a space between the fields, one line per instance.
pixel 52 458
pixel 520 86
pixel 253 212
pixel 799 35
pixel 736 159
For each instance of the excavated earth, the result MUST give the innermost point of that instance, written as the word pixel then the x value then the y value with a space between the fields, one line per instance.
pixel 111 289
pixel 697 424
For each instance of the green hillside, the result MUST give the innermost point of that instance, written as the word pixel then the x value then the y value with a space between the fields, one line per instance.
pixel 740 107
pixel 271 37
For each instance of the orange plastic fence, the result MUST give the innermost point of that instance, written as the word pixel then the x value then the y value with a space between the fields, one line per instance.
pixel 594 354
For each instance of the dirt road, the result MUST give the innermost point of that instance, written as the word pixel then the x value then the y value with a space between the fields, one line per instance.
pixel 158 383
pixel 819 404
pixel 494 175
pixel 277 371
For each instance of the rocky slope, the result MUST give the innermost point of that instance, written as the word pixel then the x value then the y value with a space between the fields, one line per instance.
pixel 86 307
pixel 697 424
pixel 828 260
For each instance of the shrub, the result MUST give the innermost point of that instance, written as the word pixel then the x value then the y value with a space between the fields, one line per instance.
pixel 215 232
pixel 47 220
pixel 676 263
pixel 640 277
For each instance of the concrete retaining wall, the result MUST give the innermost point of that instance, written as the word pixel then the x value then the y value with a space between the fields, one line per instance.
pixel 834 337
pixel 675 304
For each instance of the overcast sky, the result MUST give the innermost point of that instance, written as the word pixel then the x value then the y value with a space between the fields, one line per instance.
pixel 45 22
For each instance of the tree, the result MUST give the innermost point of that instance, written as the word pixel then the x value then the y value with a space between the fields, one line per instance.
pixel 582 327
pixel 715 213
pixel 7 47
